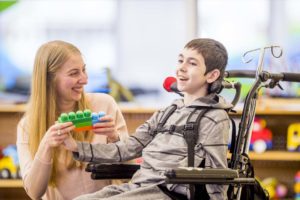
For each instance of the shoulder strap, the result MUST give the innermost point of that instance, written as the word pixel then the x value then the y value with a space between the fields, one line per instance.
pixel 190 132
pixel 163 119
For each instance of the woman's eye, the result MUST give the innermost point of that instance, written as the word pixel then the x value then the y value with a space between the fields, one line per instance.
pixel 74 73
pixel 180 61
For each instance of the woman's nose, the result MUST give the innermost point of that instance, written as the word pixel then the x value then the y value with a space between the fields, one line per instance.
pixel 83 78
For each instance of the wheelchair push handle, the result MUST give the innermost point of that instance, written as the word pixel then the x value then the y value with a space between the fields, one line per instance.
pixel 291 77
pixel 240 74
pixel 283 76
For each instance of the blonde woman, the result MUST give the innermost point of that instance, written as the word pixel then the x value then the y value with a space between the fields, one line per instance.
pixel 58 78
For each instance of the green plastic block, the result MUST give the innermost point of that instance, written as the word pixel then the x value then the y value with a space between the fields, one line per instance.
pixel 76 118
pixel 83 124
pixel 81 119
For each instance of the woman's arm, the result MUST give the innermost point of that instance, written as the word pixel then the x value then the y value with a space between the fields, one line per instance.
pixel 36 171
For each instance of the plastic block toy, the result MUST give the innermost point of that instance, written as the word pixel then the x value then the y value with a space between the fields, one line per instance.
pixel 297 186
pixel 82 120
pixel 275 188
pixel 293 137
pixel 9 163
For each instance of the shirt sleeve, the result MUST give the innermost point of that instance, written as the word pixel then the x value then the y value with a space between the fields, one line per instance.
pixel 213 146
pixel 120 151
pixel 35 171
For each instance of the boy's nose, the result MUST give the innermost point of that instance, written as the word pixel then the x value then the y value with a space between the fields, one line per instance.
pixel 182 67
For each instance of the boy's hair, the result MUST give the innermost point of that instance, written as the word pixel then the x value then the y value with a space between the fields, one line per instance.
pixel 214 53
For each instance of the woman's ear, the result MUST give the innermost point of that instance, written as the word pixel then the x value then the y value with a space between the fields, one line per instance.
pixel 213 75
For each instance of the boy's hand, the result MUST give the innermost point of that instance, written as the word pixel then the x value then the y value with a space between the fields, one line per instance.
pixel 107 127
pixel 70 143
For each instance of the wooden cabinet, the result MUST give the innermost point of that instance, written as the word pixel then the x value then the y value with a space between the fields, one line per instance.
pixel 276 162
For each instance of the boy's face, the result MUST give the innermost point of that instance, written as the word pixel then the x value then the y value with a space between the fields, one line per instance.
pixel 190 73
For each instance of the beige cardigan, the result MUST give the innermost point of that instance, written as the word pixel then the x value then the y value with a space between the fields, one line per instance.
pixel 70 183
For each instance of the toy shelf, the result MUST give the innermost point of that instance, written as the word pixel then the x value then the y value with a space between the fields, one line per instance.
pixel 12 190
pixel 275 156
pixel 11 183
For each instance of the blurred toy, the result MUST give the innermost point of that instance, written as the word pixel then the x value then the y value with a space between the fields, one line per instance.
pixel 293 137
pixel 261 139
pixel 9 163
pixel 275 189
pixel 297 186
pixel 118 91
pixel 82 120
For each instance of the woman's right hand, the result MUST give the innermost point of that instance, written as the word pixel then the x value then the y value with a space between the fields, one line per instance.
pixel 57 134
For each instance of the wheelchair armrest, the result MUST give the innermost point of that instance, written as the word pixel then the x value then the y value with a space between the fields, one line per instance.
pixel 112 171
pixel 194 175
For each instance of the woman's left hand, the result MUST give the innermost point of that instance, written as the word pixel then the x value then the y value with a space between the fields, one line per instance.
pixel 107 127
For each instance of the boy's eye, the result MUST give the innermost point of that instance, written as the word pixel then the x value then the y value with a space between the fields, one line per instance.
pixel 193 63
pixel 180 61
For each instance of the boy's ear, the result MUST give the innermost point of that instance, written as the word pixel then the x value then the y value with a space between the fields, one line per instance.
pixel 213 75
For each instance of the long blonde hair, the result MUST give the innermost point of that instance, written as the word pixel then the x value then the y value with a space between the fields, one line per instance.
pixel 42 111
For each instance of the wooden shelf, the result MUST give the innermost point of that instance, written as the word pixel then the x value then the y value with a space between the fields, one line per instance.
pixel 12 107
pixel 11 183
pixel 137 110
pixel 275 156
pixel 275 106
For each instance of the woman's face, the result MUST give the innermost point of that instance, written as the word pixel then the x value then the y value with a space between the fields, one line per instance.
pixel 70 80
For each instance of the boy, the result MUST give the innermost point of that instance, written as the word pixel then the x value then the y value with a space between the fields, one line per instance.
pixel 201 63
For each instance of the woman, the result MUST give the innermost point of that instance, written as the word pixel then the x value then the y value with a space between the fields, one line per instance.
pixel 58 78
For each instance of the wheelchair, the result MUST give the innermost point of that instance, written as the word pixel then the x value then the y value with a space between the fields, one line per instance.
pixel 240 173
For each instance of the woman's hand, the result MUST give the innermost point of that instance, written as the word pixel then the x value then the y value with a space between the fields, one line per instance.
pixel 107 127
pixel 57 134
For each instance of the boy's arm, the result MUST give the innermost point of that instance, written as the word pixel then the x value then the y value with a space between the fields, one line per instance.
pixel 120 151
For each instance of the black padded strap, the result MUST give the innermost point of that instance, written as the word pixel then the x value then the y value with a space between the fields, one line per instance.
pixel 163 119
pixel 190 132
pixel 233 135
pixel 168 112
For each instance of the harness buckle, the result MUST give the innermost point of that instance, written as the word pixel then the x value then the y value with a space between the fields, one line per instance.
pixel 188 127
pixel 153 132
pixel 172 128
